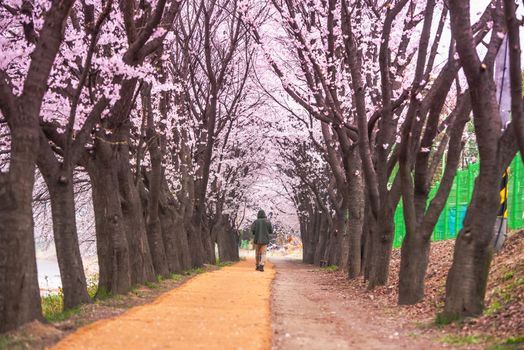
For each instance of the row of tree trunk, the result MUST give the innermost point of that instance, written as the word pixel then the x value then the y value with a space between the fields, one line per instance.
pixel 149 186
pixel 348 219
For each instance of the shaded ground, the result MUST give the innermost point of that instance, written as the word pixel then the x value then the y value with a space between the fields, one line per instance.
pixel 310 312
pixel 224 309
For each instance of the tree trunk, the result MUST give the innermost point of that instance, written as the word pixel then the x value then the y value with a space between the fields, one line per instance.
pixel 111 239
pixel 208 242
pixel 183 248
pixel 156 244
pixel 323 231
pixel 227 241
pixel 59 181
pixel 333 253
pixel 341 224
pixel 72 273
pixel 195 241
pixel 355 228
pixel 133 219
pixel 170 230
pixel 367 243
pixel 310 232
pixel 382 235
pixel 313 229
pixel 413 264
pixel 175 229
pixel 355 219
pixel 304 237
pixel 171 245
pixel 468 276
pixel 465 289
pixel 153 226
pixel 19 292
pixel 157 239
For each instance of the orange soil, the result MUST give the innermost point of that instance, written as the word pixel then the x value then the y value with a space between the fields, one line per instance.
pixel 224 309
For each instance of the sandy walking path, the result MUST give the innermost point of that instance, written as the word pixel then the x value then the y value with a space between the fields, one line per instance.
pixel 224 309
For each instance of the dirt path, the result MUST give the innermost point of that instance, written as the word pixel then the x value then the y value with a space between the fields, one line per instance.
pixel 239 308
pixel 224 309
pixel 308 313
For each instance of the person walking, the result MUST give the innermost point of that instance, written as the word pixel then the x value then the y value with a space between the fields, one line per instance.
pixel 261 229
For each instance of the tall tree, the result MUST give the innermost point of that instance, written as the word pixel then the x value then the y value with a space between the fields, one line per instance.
pixel 213 59
pixel 467 278
pixel 19 293
pixel 57 169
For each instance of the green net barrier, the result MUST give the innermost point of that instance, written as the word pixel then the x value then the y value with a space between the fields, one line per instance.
pixel 451 218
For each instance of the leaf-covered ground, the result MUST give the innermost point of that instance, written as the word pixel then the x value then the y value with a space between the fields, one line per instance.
pixel 500 327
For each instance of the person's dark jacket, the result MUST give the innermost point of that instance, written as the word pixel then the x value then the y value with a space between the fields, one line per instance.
pixel 261 228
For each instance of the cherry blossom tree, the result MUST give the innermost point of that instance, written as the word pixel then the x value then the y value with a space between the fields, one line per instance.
pixel 60 151
pixel 312 193
pixel 318 82
pixel 212 57
pixel 20 102
pixel 467 278
pixel 422 148
pixel 180 118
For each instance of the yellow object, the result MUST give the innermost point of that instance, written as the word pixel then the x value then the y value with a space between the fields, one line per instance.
pixel 503 211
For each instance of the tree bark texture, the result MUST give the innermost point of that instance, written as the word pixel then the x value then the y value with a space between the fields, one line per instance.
pixel 59 180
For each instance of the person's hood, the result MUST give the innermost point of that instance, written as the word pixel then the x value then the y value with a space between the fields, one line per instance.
pixel 261 214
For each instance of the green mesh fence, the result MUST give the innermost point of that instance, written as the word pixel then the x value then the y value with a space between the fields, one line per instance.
pixel 451 218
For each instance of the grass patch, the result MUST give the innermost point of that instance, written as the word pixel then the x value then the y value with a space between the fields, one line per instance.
pixel 53 308
pixel 443 319
pixel 194 271
pixel 507 276
pixel 64 315
pixel 511 343
pixel 224 263
pixel 152 285
pixel 52 305
pixel 504 294
pixel 5 341
pixel 102 294
pixel 176 277
pixel 92 285
pixel 11 343
pixel 494 307
pixel 95 292
pixel 462 339
pixel 330 268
